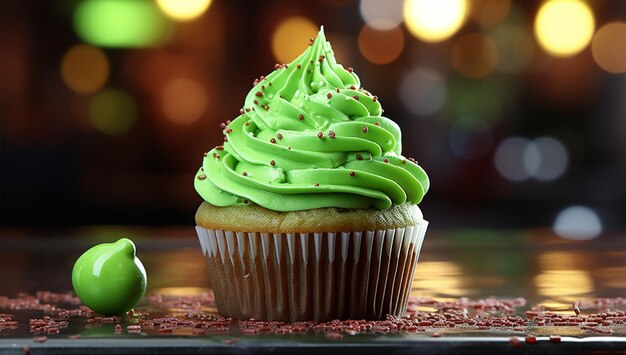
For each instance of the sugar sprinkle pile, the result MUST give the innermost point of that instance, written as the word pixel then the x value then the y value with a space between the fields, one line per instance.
pixel 196 316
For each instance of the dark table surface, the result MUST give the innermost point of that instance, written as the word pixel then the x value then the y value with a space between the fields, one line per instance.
pixel 545 270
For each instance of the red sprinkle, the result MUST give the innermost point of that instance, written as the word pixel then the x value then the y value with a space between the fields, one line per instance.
pixel 272 140
pixel 329 95
pixel 359 157
pixel 272 163
pixel 256 102
pixel 244 173
pixel 259 94
pixel 386 160
pixel 317 184
pixel 377 123
pixel 555 338
pixel 365 129
pixel 350 70
pixel 331 134
pixel 356 97
pixel 352 173
pixel 320 135
pixel 279 136
pixel 301 117
pixel 530 340
pixel 298 66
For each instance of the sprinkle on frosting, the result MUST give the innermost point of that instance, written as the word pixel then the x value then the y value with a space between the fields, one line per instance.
pixel 330 97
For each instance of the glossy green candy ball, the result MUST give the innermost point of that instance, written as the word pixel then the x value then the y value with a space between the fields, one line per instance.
pixel 109 278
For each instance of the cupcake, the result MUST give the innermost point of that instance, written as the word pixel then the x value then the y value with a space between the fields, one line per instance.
pixel 310 210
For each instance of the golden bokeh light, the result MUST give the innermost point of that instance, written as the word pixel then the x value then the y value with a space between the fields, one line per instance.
pixel 437 279
pixel 184 101
pixel 84 69
pixel 474 55
pixel 564 27
pixel 564 283
pixel 381 47
pixel 490 12
pixel 434 21
pixel 184 10
pixel 291 37
pixel 609 47
pixel 112 112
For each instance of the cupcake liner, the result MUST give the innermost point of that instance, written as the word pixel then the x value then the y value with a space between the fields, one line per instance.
pixel 312 276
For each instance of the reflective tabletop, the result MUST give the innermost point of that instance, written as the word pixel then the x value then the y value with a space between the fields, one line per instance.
pixel 475 291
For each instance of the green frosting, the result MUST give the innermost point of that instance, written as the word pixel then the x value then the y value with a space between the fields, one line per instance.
pixel 310 137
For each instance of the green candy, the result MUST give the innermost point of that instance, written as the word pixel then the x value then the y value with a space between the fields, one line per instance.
pixel 109 278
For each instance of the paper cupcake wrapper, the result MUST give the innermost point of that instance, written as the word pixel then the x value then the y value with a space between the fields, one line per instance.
pixel 312 276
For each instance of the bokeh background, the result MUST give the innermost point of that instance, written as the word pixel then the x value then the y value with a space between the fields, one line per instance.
pixel 516 109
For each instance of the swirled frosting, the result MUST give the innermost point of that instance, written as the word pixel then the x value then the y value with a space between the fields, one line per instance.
pixel 309 137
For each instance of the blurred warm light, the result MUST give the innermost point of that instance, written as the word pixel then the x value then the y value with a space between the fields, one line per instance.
pixel 545 158
pixel 490 12
pixel 437 278
pixel 563 283
pixel 561 260
pixel 184 101
pixel 578 223
pixel 564 27
pixel 180 291
pixel 381 47
pixel 515 48
pixel 509 158
pixel 474 55
pixel 609 47
pixel 470 138
pixel 423 91
pixel 184 10
pixel 381 15
pixel 291 38
pixel 84 69
pixel 112 112
pixel 120 23
pixel 434 21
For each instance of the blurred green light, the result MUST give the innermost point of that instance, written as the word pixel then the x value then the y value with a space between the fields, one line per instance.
pixel 121 23
pixel 113 111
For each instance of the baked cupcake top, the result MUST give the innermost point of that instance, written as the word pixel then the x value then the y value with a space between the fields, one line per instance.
pixel 310 137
